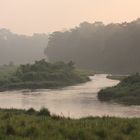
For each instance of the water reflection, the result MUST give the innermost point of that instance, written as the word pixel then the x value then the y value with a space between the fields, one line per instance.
pixel 75 101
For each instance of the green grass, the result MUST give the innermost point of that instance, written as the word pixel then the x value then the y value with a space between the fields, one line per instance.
pixel 116 77
pixel 33 125
pixel 126 92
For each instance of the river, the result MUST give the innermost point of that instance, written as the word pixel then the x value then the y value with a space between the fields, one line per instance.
pixel 74 101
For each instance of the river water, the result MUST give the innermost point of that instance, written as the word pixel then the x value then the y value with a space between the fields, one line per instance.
pixel 74 101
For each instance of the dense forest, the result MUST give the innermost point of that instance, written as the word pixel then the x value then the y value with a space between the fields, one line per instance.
pixel 111 48
pixel 41 74
pixel 21 49
pixel 126 92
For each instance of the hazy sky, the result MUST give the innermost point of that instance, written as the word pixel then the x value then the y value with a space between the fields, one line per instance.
pixel 29 16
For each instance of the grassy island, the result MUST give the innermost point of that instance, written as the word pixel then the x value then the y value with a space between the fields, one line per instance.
pixel 126 92
pixel 42 74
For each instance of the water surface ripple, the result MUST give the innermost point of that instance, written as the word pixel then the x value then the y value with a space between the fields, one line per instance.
pixel 74 101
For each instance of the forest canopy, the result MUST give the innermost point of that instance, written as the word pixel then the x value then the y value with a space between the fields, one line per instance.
pixel 21 49
pixel 111 48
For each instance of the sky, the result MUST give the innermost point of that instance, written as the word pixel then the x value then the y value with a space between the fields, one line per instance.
pixel 46 16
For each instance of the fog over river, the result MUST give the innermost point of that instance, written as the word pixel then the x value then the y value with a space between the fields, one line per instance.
pixel 74 101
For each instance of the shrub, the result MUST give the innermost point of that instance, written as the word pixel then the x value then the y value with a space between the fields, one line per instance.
pixel 44 112
pixel 30 111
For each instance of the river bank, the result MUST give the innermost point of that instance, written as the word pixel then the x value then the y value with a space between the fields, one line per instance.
pixel 42 75
pixel 33 125
pixel 75 101
pixel 127 92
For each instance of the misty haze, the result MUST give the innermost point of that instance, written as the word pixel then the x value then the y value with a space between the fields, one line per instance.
pixel 69 70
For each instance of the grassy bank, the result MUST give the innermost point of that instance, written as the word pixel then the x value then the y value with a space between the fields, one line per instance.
pixel 126 92
pixel 116 77
pixel 42 74
pixel 32 125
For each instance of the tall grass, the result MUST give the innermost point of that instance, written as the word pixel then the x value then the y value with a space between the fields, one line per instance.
pixel 33 125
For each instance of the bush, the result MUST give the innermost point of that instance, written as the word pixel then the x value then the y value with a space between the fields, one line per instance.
pixel 44 112
pixel 42 74
pixel 126 92
pixel 30 111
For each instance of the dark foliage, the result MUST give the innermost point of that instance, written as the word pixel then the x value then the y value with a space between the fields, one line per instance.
pixel 42 74
pixel 44 112
pixel 112 48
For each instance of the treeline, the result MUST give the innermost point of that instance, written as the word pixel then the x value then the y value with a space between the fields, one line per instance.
pixel 21 49
pixel 42 74
pixel 112 48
